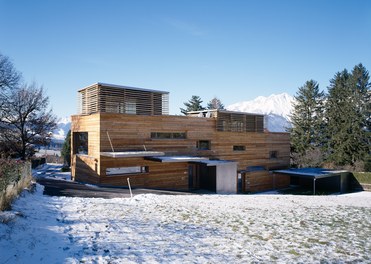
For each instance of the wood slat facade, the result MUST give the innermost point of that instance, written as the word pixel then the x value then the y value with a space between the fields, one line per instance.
pixel 101 97
pixel 223 135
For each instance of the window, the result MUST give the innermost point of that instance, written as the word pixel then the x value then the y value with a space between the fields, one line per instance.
pixel 130 108
pixel 238 126
pixel 80 142
pixel 127 170
pixel 204 144
pixel 239 148
pixel 168 135
pixel 273 154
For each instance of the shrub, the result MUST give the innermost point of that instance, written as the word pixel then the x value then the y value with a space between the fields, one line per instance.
pixel 15 175
pixel 11 171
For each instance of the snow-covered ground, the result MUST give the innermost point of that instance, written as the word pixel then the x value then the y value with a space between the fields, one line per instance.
pixel 152 228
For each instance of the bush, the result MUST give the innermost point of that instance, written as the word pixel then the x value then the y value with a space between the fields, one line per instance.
pixel 15 175
pixel 312 158
pixel 11 171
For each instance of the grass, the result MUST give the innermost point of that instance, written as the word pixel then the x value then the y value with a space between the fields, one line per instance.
pixel 363 177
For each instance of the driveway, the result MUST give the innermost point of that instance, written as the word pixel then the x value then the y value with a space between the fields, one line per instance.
pixel 55 187
pixel 58 183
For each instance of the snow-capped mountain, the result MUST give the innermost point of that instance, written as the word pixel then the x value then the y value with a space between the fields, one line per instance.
pixel 63 126
pixel 276 107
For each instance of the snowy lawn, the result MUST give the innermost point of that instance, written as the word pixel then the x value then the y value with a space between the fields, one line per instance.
pixel 188 229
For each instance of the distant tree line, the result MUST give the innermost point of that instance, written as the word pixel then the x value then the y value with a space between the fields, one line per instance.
pixel 333 129
pixel 195 104
pixel 26 121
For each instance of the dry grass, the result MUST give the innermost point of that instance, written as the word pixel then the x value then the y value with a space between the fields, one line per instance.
pixel 363 177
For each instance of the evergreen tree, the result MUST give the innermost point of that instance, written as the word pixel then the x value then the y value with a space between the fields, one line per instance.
pixel 307 120
pixel 346 112
pixel 362 93
pixel 194 104
pixel 66 150
pixel 215 103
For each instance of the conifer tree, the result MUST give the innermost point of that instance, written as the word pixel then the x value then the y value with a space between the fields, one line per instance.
pixel 346 114
pixel 66 150
pixel 307 120
pixel 194 104
pixel 215 103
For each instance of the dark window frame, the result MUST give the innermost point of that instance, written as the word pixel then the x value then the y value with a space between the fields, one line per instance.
pixel 239 148
pixel 81 143
pixel 204 145
pixel 142 170
pixel 168 135
pixel 273 154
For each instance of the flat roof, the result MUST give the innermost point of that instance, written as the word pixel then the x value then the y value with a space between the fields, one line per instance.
pixel 131 154
pixel 178 158
pixel 315 173
pixel 203 160
pixel 215 162
pixel 224 111
pixel 124 87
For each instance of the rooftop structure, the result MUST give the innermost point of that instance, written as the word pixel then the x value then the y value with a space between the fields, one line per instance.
pixel 110 98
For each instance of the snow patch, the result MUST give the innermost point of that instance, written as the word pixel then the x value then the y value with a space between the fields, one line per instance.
pixel 188 229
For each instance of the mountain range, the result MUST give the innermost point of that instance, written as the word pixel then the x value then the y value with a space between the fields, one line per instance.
pixel 276 108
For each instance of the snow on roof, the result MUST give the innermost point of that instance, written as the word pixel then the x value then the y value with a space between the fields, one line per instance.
pixel 224 111
pixel 130 154
pixel 216 162
pixel 179 158
pixel 312 172
pixel 204 160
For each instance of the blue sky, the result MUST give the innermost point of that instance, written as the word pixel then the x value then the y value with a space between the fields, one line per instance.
pixel 235 50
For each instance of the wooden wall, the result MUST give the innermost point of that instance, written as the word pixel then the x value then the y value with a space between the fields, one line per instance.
pixel 161 175
pixel 133 132
pixel 84 167
pixel 257 181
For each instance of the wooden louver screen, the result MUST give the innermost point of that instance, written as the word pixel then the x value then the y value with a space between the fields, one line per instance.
pixel 233 122
pixel 99 98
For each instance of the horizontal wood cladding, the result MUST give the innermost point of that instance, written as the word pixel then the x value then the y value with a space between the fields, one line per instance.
pixel 264 180
pixel 121 99
pixel 128 132
pixel 159 175
pixel 91 125
pixel 133 132
pixel 85 169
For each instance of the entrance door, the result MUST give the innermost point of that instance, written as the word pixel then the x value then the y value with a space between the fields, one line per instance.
pixel 208 177
pixel 193 177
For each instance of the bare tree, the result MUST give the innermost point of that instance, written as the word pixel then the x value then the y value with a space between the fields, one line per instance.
pixel 26 120
pixel 9 76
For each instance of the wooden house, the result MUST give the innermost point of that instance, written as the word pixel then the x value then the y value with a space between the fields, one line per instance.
pixel 124 132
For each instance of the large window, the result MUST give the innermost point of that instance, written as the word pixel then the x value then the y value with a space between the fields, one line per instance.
pixel 127 170
pixel 204 144
pixel 168 135
pixel 80 140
